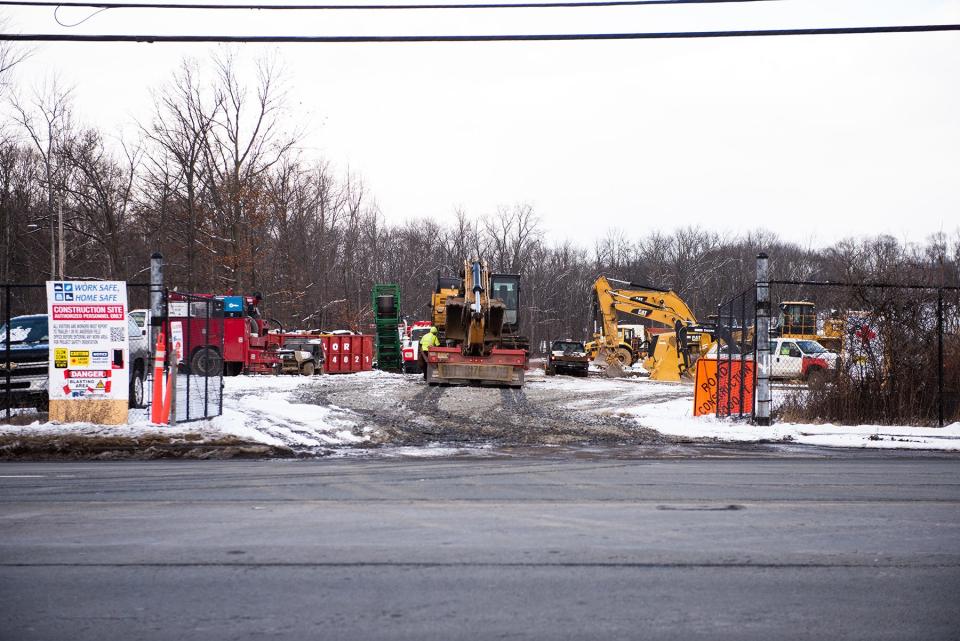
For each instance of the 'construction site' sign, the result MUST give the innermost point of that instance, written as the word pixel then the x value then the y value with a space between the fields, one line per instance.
pixel 89 351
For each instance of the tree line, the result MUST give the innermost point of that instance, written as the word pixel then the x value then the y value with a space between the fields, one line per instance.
pixel 215 181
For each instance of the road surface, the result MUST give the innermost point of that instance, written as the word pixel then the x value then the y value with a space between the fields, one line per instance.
pixel 827 546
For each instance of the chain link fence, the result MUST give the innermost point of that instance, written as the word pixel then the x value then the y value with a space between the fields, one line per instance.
pixel 196 323
pixel 867 353
pixel 843 353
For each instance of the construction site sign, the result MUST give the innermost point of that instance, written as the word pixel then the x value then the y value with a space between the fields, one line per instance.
pixel 89 351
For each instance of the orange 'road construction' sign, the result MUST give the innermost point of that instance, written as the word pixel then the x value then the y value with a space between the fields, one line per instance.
pixel 720 382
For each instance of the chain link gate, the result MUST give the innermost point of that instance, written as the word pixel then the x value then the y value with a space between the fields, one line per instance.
pixel 734 331
pixel 196 322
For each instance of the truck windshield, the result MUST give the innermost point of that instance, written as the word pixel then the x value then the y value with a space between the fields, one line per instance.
pixel 811 347
pixel 567 346
pixel 29 329
pixel 417 334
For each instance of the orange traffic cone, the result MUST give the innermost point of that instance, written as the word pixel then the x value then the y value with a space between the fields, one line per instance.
pixel 156 408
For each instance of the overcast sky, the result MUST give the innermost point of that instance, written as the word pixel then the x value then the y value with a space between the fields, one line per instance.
pixel 813 137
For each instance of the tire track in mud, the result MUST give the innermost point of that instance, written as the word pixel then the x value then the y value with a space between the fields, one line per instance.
pixel 429 399
pixel 410 412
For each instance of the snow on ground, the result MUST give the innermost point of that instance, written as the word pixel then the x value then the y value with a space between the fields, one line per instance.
pixel 260 408
pixel 256 408
pixel 268 410
pixel 675 417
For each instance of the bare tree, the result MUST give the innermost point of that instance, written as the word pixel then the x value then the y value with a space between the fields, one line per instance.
pixel 46 118
pixel 180 130
pixel 246 140
pixel 10 56
pixel 101 189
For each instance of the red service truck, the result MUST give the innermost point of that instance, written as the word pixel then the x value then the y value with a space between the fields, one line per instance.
pixel 243 345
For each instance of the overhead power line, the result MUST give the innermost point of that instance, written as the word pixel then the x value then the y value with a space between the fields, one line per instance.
pixel 57 37
pixel 361 7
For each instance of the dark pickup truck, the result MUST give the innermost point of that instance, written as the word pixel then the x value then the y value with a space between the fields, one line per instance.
pixel 29 354
pixel 567 357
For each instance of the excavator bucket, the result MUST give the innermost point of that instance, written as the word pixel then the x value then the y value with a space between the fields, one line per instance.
pixel 664 364
pixel 612 367
pixel 459 316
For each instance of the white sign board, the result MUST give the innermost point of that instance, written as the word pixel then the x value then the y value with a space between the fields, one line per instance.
pixel 177 309
pixel 176 337
pixel 89 346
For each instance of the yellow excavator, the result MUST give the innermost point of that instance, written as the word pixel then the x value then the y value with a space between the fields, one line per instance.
pixel 670 355
pixel 477 317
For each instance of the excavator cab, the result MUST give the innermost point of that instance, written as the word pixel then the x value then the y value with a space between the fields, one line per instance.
pixel 506 288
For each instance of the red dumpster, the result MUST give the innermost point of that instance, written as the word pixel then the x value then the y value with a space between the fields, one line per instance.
pixel 347 353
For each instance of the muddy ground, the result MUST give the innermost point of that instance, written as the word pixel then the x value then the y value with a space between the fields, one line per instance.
pixel 405 411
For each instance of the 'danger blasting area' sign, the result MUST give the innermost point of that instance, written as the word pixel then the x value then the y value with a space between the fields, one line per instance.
pixel 89 351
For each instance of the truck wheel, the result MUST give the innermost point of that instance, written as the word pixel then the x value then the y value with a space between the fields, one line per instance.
pixel 816 378
pixel 136 387
pixel 307 369
pixel 551 371
pixel 206 362
pixel 625 356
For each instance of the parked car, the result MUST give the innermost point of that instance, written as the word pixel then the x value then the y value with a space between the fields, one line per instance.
pixel 142 318
pixel 30 357
pixel 805 360
pixel 567 357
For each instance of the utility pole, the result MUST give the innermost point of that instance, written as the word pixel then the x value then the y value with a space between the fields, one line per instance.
pixel 53 242
pixel 157 315
pixel 61 254
pixel 762 337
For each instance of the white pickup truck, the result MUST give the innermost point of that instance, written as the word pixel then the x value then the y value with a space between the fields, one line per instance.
pixel 799 359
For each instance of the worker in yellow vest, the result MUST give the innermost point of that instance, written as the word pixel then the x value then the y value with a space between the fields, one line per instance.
pixel 430 339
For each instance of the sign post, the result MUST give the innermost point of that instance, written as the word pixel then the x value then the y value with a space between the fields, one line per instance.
pixel 89 351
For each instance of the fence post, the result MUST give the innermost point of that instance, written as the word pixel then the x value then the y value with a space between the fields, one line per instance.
pixel 762 341
pixel 156 296
pixel 940 357
pixel 8 393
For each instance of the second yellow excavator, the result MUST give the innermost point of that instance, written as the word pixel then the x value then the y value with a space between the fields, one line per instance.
pixel 670 355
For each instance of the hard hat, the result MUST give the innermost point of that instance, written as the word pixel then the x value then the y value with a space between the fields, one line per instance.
pixel 433 330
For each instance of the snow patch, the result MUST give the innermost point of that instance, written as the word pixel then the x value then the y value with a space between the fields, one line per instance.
pixel 675 418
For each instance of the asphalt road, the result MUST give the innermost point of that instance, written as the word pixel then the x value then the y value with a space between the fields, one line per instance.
pixel 850 546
